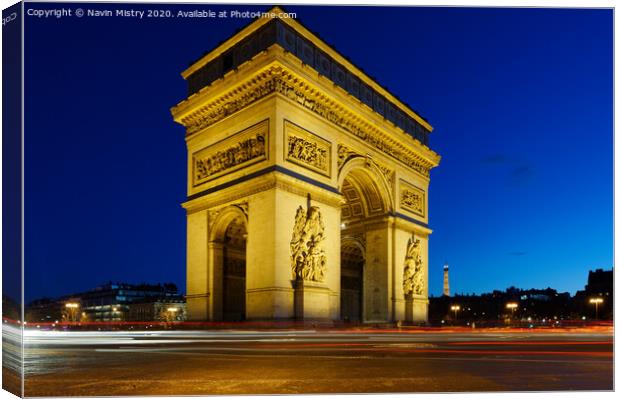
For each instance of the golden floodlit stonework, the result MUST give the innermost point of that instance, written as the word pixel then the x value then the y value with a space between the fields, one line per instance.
pixel 412 198
pixel 307 149
pixel 236 152
pixel 308 260
pixel 413 283
pixel 307 185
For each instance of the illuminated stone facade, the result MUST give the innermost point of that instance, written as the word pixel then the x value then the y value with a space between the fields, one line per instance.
pixel 307 185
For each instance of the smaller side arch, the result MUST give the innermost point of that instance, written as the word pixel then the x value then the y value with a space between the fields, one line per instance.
pixel 352 270
pixel 223 219
pixel 227 264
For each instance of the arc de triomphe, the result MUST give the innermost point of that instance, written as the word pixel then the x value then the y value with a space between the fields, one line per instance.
pixel 307 184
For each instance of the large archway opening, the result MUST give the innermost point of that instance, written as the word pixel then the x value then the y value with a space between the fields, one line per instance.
pixel 364 263
pixel 234 271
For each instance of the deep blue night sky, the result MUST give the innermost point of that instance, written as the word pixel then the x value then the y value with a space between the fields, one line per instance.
pixel 520 99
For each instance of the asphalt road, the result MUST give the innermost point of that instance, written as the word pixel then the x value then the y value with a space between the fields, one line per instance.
pixel 337 361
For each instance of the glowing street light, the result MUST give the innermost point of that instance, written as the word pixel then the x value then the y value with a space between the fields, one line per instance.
pixel 596 302
pixel 72 309
pixel 171 313
pixel 455 309
pixel 512 306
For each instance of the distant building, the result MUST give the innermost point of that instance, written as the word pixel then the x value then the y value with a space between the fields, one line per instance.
pixel 166 309
pixel 44 310
pixel 600 282
pixel 109 302
pixel 535 304
pixel 600 286
pixel 446 280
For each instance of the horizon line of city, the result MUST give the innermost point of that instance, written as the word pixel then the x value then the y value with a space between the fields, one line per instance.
pixel 431 294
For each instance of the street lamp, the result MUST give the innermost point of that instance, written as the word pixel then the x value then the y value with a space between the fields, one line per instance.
pixel 455 309
pixel 512 306
pixel 596 302
pixel 72 309
pixel 171 313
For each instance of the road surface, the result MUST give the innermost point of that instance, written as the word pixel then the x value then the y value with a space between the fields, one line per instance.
pixel 308 361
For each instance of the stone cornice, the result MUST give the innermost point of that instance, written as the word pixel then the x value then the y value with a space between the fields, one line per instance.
pixel 358 72
pixel 353 105
pixel 407 225
pixel 275 78
pixel 307 34
pixel 351 115
pixel 265 182
pixel 227 95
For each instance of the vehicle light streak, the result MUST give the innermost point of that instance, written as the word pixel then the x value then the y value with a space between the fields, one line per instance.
pixel 494 343
pixel 445 351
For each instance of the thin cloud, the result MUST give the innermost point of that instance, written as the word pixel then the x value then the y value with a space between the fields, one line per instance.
pixel 518 171
pixel 495 159
pixel 521 174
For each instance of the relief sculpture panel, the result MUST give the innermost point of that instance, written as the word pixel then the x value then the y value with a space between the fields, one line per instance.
pixel 309 98
pixel 308 260
pixel 238 151
pixel 412 199
pixel 413 273
pixel 306 149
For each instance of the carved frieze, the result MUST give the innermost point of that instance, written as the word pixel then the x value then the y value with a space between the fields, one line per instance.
pixel 412 199
pixel 280 81
pixel 306 149
pixel 230 103
pixel 308 260
pixel 238 151
pixel 413 272
pixel 326 108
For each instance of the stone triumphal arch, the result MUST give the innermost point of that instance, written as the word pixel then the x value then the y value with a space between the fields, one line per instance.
pixel 307 185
